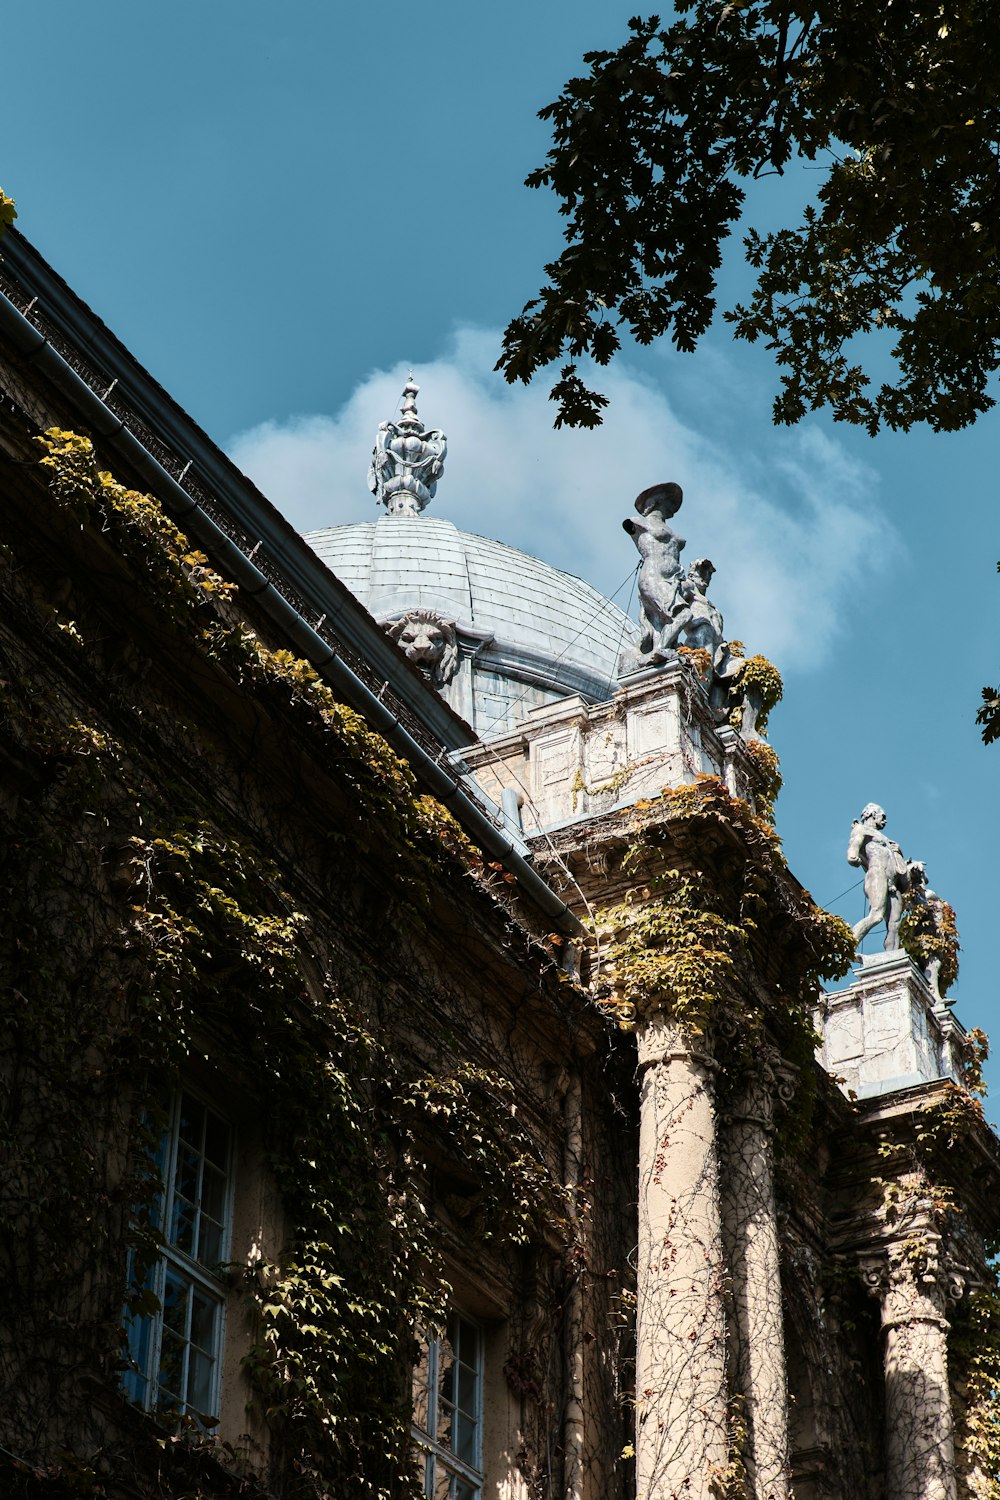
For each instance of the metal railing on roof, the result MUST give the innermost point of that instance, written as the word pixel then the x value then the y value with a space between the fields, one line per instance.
pixel 108 389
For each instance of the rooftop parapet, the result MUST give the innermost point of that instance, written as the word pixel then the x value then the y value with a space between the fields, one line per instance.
pixel 572 760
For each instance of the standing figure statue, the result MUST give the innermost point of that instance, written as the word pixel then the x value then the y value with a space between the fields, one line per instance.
pixel 660 577
pixel 887 875
pixel 675 611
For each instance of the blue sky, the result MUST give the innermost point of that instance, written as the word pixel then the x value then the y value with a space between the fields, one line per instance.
pixel 280 210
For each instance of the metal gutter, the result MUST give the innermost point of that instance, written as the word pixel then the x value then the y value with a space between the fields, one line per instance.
pixel 236 495
pixel 233 562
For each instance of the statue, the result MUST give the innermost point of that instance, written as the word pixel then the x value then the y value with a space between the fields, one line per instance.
pixel 916 919
pixel 407 462
pixel 695 616
pixel 675 610
pixel 660 548
pixel 887 875
pixel 428 640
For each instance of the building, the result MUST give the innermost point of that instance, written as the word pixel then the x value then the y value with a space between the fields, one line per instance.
pixel 410 1084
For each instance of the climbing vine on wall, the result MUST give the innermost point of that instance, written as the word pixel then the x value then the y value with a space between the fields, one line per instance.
pixel 761 678
pixel 768 778
pixel 664 941
pixel 682 942
pixel 974 1360
pixel 930 1183
pixel 148 927
pixel 758 681
pixel 185 588
pixel 929 934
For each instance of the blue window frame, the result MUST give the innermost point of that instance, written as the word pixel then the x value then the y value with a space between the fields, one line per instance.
pixel 448 1411
pixel 176 1352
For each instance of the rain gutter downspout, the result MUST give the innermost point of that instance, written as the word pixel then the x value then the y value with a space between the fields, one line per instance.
pixel 321 656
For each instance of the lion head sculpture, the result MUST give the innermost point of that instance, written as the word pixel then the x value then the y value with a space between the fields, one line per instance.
pixel 429 640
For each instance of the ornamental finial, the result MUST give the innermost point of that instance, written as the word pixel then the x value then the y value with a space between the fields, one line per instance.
pixel 407 462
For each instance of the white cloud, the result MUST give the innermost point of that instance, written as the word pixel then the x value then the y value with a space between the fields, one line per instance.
pixel 789 521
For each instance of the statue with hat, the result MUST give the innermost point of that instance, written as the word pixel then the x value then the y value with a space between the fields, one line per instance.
pixel 660 576
pixel 676 614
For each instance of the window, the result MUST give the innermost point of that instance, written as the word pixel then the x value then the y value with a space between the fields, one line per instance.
pixel 448 1411
pixel 176 1352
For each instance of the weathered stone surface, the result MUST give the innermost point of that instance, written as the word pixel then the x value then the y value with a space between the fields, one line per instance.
pixel 887 1031
pixel 572 760
pixel 429 641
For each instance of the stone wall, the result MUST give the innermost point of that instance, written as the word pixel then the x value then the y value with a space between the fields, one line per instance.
pixel 172 746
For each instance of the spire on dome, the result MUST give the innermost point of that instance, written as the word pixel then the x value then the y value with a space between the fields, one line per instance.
pixel 407 462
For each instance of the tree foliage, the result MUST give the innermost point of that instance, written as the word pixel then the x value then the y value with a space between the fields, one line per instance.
pixel 989 712
pixel 896 111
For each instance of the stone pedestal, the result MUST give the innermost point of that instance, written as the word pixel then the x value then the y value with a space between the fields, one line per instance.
pixel 751 1240
pixel 920 1451
pixel 887 1032
pixel 573 760
pixel 681 1398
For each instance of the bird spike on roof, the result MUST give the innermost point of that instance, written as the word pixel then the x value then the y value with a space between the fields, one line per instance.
pixel 407 462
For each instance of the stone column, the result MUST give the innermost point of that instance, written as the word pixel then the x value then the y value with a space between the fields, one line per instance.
pixel 751 1239
pixel 681 1397
pixel 920 1449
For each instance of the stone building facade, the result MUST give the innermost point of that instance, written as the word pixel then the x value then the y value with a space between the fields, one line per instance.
pixel 410 1083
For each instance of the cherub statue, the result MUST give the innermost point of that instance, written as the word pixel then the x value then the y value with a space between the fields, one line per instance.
pixel 695 617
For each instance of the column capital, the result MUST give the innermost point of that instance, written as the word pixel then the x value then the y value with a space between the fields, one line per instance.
pixel 915 1276
pixel 770 1083
pixel 917 1279
pixel 660 1037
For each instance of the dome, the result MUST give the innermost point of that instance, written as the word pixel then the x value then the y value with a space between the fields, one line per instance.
pixel 527 633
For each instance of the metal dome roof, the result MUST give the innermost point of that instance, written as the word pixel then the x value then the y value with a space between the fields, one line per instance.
pixel 538 618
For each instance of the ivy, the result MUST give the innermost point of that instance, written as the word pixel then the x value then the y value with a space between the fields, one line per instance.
pixel 682 941
pixel 768 778
pixel 151 929
pixel 198 600
pixel 668 945
pixel 974 1360
pixel 929 931
pixel 8 213
pixel 760 681
pixel 977 1052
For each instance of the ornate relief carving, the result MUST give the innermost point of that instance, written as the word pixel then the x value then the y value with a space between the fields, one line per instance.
pixel 430 641
pixel 407 461
pixel 914 1279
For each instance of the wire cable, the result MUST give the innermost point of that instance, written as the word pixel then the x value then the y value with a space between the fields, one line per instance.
pixel 829 905
pixel 585 626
